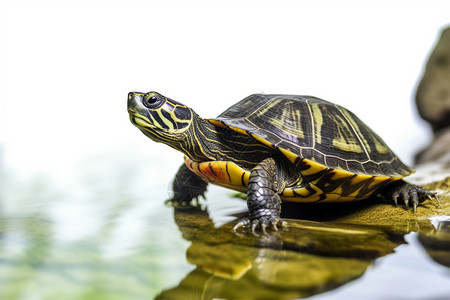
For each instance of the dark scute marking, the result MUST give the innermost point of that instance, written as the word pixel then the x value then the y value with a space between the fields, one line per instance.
pixel 239 123
pixel 400 168
pixel 309 189
pixel 349 187
pixel 328 185
pixel 243 107
pixel 315 176
pixel 368 189
pixel 244 115
pixel 364 187
pixel 386 168
pixel 228 173
pixel 272 131
pixel 158 119
pixel 267 135
pixel 320 158
pixel 280 121
pixel 333 126
pixel 302 165
pixel 297 161
pixel 291 119
pixel 372 139
pixel 212 169
pixel 307 153
pixel 242 179
pixel 372 168
pixel 355 167
pixel 169 118
pixel 337 162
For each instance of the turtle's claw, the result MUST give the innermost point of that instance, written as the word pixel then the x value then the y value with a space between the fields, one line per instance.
pixel 394 198
pixel 406 200
pixel 263 227
pixel 410 194
pixel 261 223
pixel 274 226
pixel 183 202
pixel 254 224
pixel 434 195
pixel 242 223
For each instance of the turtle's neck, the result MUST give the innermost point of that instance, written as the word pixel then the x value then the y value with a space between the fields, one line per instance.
pixel 207 142
pixel 200 144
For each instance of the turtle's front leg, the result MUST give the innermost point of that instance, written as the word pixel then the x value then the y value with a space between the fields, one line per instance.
pixel 263 201
pixel 186 187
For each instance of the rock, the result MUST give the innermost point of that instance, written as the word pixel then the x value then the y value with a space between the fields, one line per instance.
pixel 433 104
pixel 438 150
pixel 433 92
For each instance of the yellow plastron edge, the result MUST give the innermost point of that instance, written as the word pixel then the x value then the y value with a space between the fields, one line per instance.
pixel 223 173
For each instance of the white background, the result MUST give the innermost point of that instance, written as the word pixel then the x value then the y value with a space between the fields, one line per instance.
pixel 67 66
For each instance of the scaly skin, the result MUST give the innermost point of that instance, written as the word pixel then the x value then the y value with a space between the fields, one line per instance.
pixel 186 187
pixel 263 201
pixel 408 193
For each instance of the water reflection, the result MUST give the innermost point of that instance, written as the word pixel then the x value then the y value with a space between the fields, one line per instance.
pixel 309 258
pixel 96 237
pixel 437 242
pixel 109 236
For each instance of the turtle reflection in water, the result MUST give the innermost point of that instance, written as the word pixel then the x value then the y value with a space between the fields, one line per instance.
pixel 275 147
pixel 311 258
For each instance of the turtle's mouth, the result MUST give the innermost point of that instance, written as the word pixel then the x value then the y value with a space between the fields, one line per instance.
pixel 138 121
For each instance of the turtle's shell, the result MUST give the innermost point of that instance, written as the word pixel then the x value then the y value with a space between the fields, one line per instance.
pixel 306 127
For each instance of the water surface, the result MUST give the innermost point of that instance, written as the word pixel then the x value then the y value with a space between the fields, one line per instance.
pixel 107 234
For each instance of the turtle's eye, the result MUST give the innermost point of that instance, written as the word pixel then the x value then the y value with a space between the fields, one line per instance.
pixel 152 101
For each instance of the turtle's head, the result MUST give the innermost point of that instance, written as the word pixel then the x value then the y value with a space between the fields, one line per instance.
pixel 161 119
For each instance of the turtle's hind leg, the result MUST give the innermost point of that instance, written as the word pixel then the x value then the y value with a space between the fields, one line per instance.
pixel 186 187
pixel 409 193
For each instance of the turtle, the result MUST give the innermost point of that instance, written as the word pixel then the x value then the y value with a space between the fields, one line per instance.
pixel 275 147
